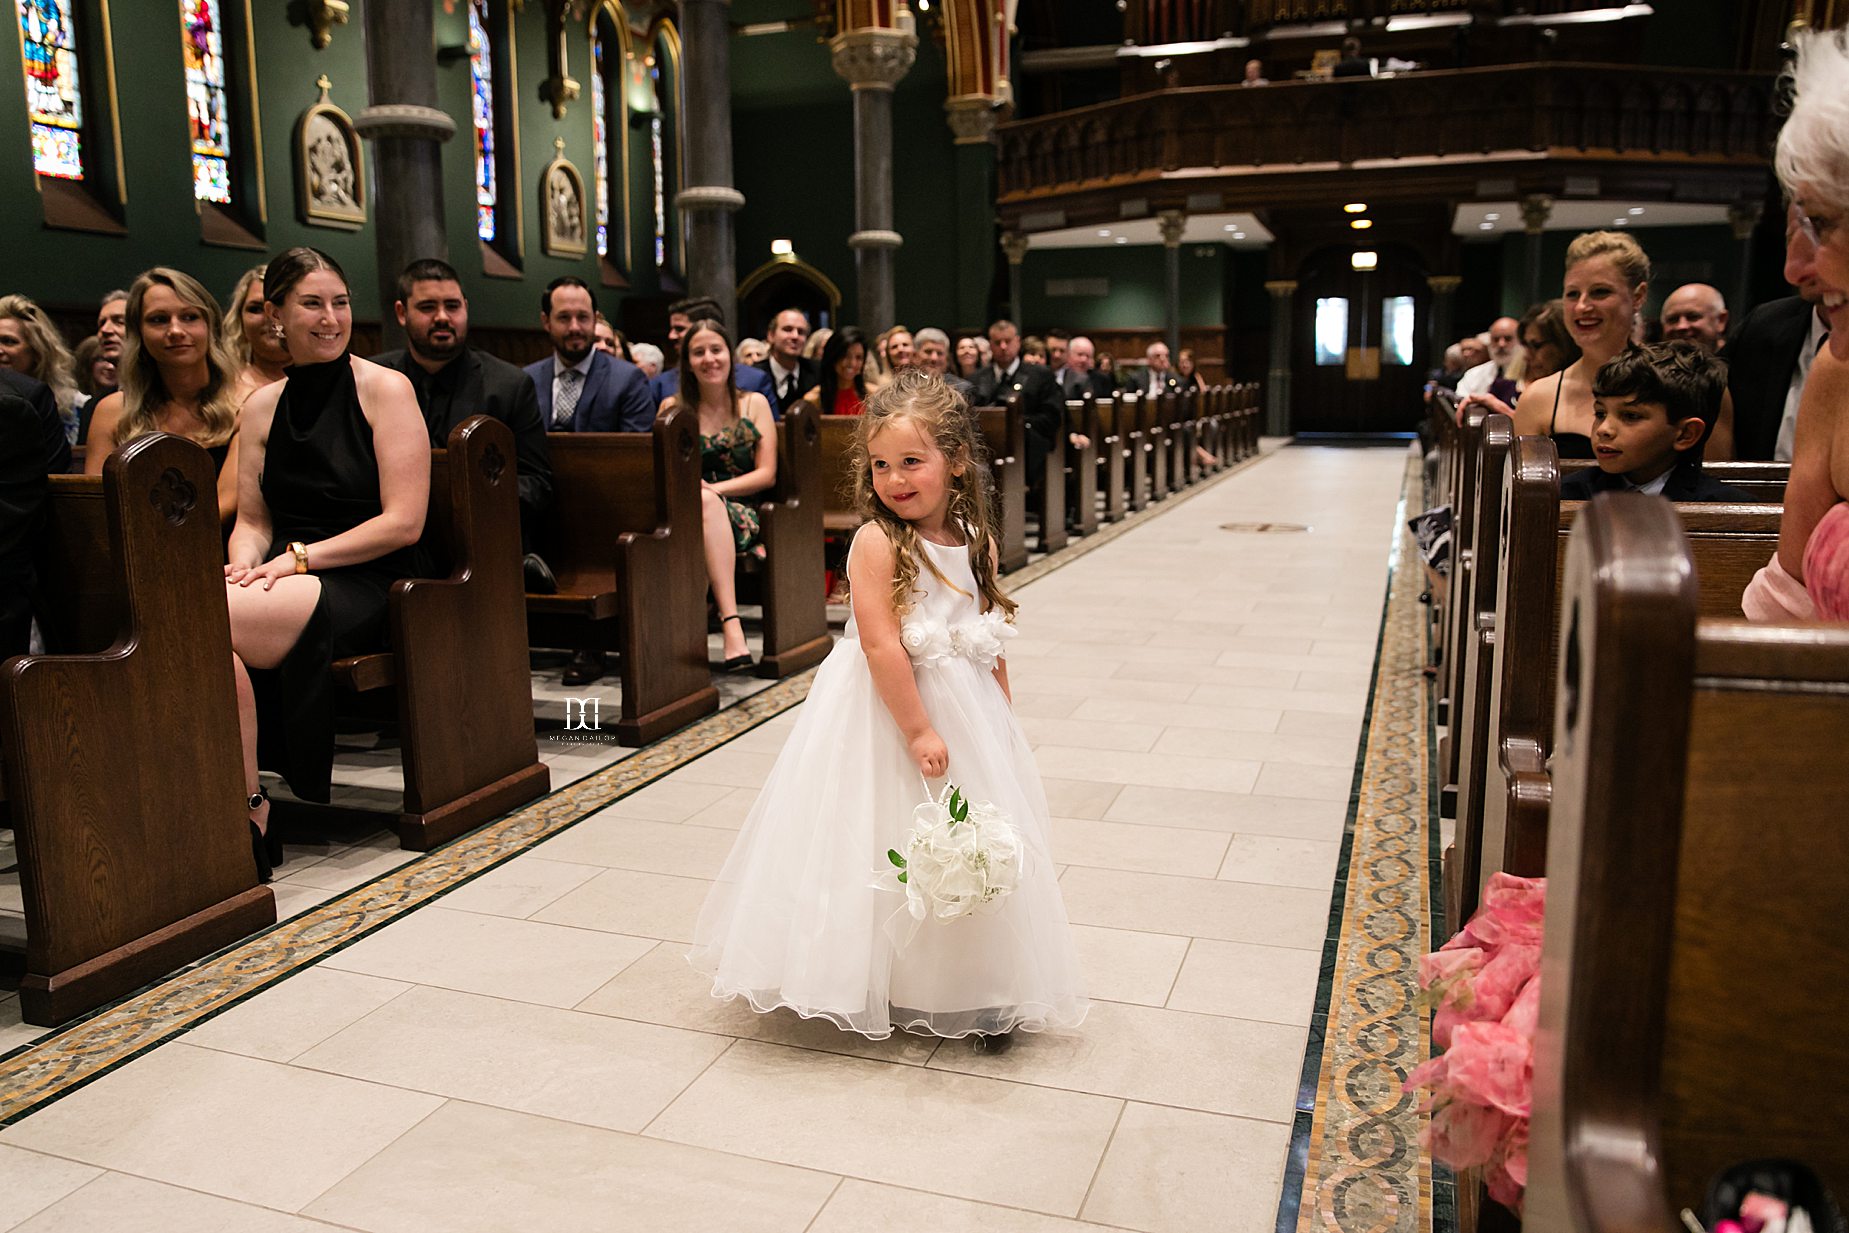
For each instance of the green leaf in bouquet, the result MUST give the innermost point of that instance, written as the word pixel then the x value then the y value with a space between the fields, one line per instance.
pixel 892 854
pixel 901 877
pixel 959 808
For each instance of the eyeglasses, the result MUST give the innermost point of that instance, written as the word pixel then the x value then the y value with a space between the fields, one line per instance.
pixel 1816 230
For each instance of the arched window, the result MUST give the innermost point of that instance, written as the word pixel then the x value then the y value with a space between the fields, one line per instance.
pixel 611 63
pixel 481 90
pixel 54 90
pixel 208 102
pixel 664 70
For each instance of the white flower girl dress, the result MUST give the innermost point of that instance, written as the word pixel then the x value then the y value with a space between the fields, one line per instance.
pixel 794 919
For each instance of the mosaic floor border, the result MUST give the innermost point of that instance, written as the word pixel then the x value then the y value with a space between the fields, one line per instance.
pixel 1355 1164
pixel 36 1074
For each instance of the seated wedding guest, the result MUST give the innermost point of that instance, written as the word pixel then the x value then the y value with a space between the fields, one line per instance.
pixel 1158 377
pixel 111 325
pixel 792 374
pixel 901 349
pixel 1187 380
pixel 610 340
pixel 1446 375
pixel 1056 343
pixel 932 347
pixel 54 449
pixel 812 350
pixel 681 316
pixel 1033 351
pixel 752 351
pixel 1107 367
pixel 1502 363
pixel 648 358
pixel 1081 375
pixel 1547 344
pixel 1474 350
pixel 31 346
pixel 1043 406
pixel 1809 576
pixel 334 481
pixel 22 502
pixel 1352 63
pixel 1651 409
pixel 95 375
pixel 1254 74
pixel 1771 354
pixel 580 388
pixel 177 376
pixel 738 459
pixel 251 338
pixel 969 357
pixel 1698 313
pixel 843 387
pixel 454 381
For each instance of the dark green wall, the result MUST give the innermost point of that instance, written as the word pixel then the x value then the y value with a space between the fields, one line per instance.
pixel 1677 255
pixel 1137 275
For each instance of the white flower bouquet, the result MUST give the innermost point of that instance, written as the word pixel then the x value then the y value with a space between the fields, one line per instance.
pixel 961 857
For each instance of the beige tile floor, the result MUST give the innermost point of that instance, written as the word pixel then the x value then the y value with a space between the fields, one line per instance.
pixel 532 1051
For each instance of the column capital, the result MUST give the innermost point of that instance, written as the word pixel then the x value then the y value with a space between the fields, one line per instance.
pixel 1014 246
pixel 1444 284
pixel 873 59
pixel 1743 216
pixel 709 197
pixel 1537 208
pixel 972 118
pixel 875 239
pixel 1172 224
pixel 1280 288
pixel 404 120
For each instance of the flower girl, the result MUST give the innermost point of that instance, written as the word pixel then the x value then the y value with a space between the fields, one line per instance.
pixel 917 690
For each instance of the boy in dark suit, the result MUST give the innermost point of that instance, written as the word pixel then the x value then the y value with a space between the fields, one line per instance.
pixel 1652 409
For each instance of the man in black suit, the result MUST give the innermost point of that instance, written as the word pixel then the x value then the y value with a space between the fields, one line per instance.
pixel 1769 357
pixel 1158 377
pixel 1080 377
pixel 1042 403
pixel 791 373
pixel 454 381
pixel 932 347
pixel 32 446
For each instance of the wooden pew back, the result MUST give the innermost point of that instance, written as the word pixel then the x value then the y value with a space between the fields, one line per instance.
pixel 837 472
pixel 1691 1013
pixel 1004 432
pixel 789 579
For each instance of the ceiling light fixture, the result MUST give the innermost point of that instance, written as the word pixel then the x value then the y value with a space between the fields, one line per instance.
pixel 1355 207
pixel 1123 239
pixel 781 248
pixel 1634 210
pixel 1230 227
pixel 1486 226
pixel 1493 217
pixel 1360 224
pixel 1363 259
pixel 1620 222
pixel 1104 232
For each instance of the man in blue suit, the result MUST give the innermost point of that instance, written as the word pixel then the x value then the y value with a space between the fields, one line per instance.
pixel 580 388
pixel 681 316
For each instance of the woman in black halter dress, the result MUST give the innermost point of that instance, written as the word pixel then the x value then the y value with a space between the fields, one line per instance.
pixel 333 485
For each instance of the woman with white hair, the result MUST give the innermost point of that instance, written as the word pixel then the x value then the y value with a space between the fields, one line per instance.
pixel 1809 577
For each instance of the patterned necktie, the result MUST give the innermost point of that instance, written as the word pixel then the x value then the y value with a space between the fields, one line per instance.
pixel 565 403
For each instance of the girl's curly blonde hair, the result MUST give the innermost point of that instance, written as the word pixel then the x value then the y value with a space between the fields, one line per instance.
pixel 944 418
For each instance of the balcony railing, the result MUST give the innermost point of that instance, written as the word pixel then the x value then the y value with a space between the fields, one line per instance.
pixel 1175 21
pixel 1592 111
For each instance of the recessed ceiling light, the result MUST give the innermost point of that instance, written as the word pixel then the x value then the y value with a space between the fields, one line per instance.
pixel 1486 226
pixel 1105 232
pixel 1492 216
pixel 1360 224
pixel 1239 235
pixel 1363 260
pixel 1230 227
pixel 1620 222
pixel 1355 207
pixel 1636 210
pixel 1123 239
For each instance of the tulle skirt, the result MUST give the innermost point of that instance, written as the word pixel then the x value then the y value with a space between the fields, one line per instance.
pixel 794 920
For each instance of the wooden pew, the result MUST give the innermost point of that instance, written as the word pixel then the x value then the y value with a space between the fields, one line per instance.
pixel 1113 457
pixel 1050 498
pixel 1153 415
pixel 1729 542
pixel 1457 608
pixel 787 583
pixel 838 514
pixel 1005 434
pixel 122 767
pixel 1692 1003
pixel 1082 465
pixel 1475 650
pixel 1761 481
pixel 623 538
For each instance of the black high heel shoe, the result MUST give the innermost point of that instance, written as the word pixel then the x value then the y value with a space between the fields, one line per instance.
pixel 265 846
pixel 738 663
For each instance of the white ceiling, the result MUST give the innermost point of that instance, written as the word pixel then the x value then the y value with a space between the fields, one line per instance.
pixel 1483 219
pixel 1238 230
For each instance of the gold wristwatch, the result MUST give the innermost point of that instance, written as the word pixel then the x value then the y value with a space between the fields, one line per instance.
pixel 301 555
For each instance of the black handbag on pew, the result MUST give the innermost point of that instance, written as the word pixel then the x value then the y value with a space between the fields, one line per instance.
pixel 1795 1183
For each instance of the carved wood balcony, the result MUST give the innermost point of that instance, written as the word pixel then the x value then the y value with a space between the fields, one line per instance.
pixel 1675 127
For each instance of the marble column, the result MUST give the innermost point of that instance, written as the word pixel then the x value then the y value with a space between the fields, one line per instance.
pixel 972 121
pixel 407 132
pixel 1014 247
pixel 872 61
pixel 1277 385
pixel 1743 217
pixel 1536 210
pixel 708 198
pixel 1440 324
pixel 1172 223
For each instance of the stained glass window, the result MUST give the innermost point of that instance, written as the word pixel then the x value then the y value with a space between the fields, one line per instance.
pixel 207 104
pixel 600 138
pixel 481 86
pixel 660 175
pixel 54 97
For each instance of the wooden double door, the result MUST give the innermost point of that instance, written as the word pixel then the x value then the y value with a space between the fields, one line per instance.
pixel 1359 352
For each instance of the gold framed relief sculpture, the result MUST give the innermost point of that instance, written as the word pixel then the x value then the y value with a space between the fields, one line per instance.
pixel 564 227
pixel 330 166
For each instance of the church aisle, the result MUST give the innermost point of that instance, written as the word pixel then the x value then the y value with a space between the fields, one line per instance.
pixel 532 1050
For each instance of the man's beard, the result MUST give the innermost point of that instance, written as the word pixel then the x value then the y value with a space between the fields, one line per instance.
pixel 441 352
pixel 575 356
